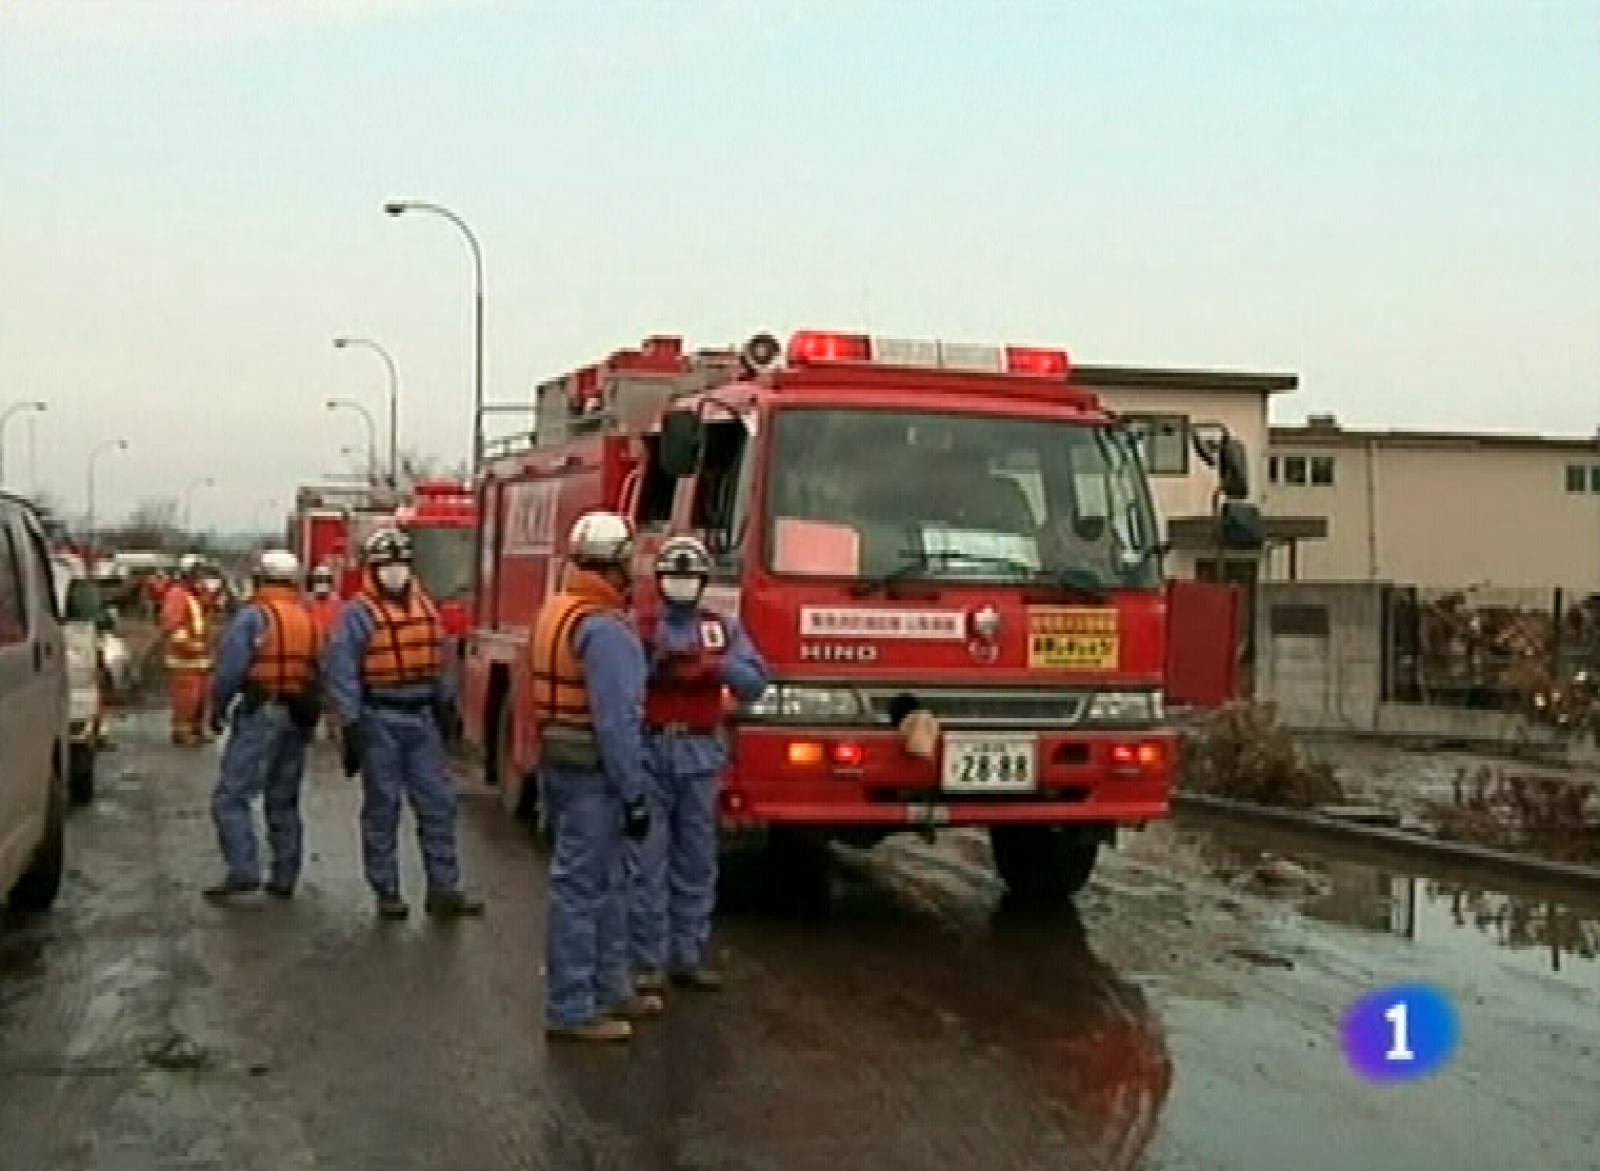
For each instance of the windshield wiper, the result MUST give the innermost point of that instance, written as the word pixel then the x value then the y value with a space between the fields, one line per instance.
pixel 918 560
pixel 1075 579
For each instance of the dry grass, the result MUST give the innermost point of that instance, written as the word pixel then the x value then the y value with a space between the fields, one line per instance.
pixel 1554 817
pixel 1241 752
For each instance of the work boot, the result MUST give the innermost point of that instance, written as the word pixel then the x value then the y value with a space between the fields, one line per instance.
pixel 698 977
pixel 225 890
pixel 599 1029
pixel 281 890
pixel 637 1008
pixel 393 907
pixel 452 904
pixel 652 981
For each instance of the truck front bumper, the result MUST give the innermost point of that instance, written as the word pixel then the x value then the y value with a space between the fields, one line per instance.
pixel 842 777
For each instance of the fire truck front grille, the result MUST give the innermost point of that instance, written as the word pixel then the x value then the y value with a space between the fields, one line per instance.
pixel 985 709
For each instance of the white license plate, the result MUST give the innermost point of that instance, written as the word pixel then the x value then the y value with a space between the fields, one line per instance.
pixel 981 763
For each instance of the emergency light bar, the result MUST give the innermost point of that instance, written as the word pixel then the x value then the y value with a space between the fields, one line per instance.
pixel 814 346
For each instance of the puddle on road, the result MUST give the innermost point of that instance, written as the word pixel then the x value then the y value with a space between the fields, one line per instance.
pixel 1478 926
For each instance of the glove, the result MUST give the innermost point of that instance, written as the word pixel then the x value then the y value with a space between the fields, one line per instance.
pixel 350 747
pixel 218 720
pixel 636 819
pixel 442 714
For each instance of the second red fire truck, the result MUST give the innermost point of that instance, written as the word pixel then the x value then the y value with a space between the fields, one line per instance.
pixel 947 554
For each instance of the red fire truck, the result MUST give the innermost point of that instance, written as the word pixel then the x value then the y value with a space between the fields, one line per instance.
pixel 903 527
pixel 442 518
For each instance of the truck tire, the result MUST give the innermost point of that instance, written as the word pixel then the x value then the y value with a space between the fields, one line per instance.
pixel 36 890
pixel 80 772
pixel 527 799
pixel 1044 863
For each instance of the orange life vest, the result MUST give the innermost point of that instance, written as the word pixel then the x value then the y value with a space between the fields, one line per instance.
pixel 560 690
pixel 407 641
pixel 188 639
pixel 286 653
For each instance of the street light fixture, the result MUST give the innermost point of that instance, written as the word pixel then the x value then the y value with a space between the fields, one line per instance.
pixel 372 430
pixel 400 207
pixel 188 499
pixel 5 417
pixel 108 445
pixel 340 343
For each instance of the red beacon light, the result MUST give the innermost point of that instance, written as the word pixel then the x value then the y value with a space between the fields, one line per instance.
pixel 810 345
pixel 1034 360
pixel 822 346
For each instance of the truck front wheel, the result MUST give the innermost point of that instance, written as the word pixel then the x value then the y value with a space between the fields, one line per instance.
pixel 1043 862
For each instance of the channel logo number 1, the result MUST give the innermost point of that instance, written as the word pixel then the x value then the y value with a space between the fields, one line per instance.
pixel 1399 1033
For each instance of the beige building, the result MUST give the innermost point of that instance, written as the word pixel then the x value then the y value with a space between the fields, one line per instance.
pixel 1437 510
pixel 1171 404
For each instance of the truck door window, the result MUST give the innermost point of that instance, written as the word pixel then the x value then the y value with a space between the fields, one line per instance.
pixel 656 491
pixel 13 604
pixel 721 487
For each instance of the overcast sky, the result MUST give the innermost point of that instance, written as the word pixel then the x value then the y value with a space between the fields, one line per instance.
pixel 1396 201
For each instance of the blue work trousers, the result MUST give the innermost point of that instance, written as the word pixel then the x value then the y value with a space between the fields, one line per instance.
pixel 674 884
pixel 265 756
pixel 404 754
pixel 586 943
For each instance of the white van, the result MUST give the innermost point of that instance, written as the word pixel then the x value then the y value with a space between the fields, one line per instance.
pixel 33 714
pixel 83 621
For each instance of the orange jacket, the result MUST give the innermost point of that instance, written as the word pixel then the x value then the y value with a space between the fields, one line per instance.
pixel 185 625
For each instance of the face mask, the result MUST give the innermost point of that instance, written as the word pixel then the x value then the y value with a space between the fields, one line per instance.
pixel 682 590
pixel 394 578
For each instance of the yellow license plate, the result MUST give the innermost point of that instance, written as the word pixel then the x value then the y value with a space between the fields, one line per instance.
pixel 1073 638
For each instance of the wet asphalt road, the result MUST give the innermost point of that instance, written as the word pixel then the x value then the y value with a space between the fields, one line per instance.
pixel 1186 1019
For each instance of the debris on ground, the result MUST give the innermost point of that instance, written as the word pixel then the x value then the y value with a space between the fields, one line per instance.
pixel 177 1053
pixel 1557 818
pixel 1242 752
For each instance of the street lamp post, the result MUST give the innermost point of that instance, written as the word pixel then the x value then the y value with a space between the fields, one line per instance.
pixel 109 444
pixel 372 430
pixel 394 401
pixel 188 500
pixel 5 417
pixel 399 207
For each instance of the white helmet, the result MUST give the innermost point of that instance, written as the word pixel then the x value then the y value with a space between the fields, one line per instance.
pixel 189 564
pixel 600 538
pixel 277 565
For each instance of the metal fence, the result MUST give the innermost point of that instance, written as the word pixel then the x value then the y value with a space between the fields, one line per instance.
pixel 1533 652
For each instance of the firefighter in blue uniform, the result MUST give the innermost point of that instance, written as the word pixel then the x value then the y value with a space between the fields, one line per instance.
pixel 587 676
pixel 696 656
pixel 387 686
pixel 265 678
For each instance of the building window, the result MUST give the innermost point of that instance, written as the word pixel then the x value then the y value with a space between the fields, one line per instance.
pixel 1294 469
pixel 1164 441
pixel 1272 469
pixel 1577 478
pixel 1322 470
pixel 1594 478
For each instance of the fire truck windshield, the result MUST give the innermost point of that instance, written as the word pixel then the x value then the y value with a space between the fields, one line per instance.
pixel 877 493
pixel 442 560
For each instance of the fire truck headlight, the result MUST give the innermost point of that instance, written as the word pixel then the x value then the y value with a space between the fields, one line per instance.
pixel 1127 707
pixel 783 701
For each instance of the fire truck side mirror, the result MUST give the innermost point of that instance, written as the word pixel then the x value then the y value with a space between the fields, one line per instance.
pixel 1241 528
pixel 1233 468
pixel 681 440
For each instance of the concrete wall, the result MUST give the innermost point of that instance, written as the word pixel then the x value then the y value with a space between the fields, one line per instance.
pixel 1319 652
pixel 1441 513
